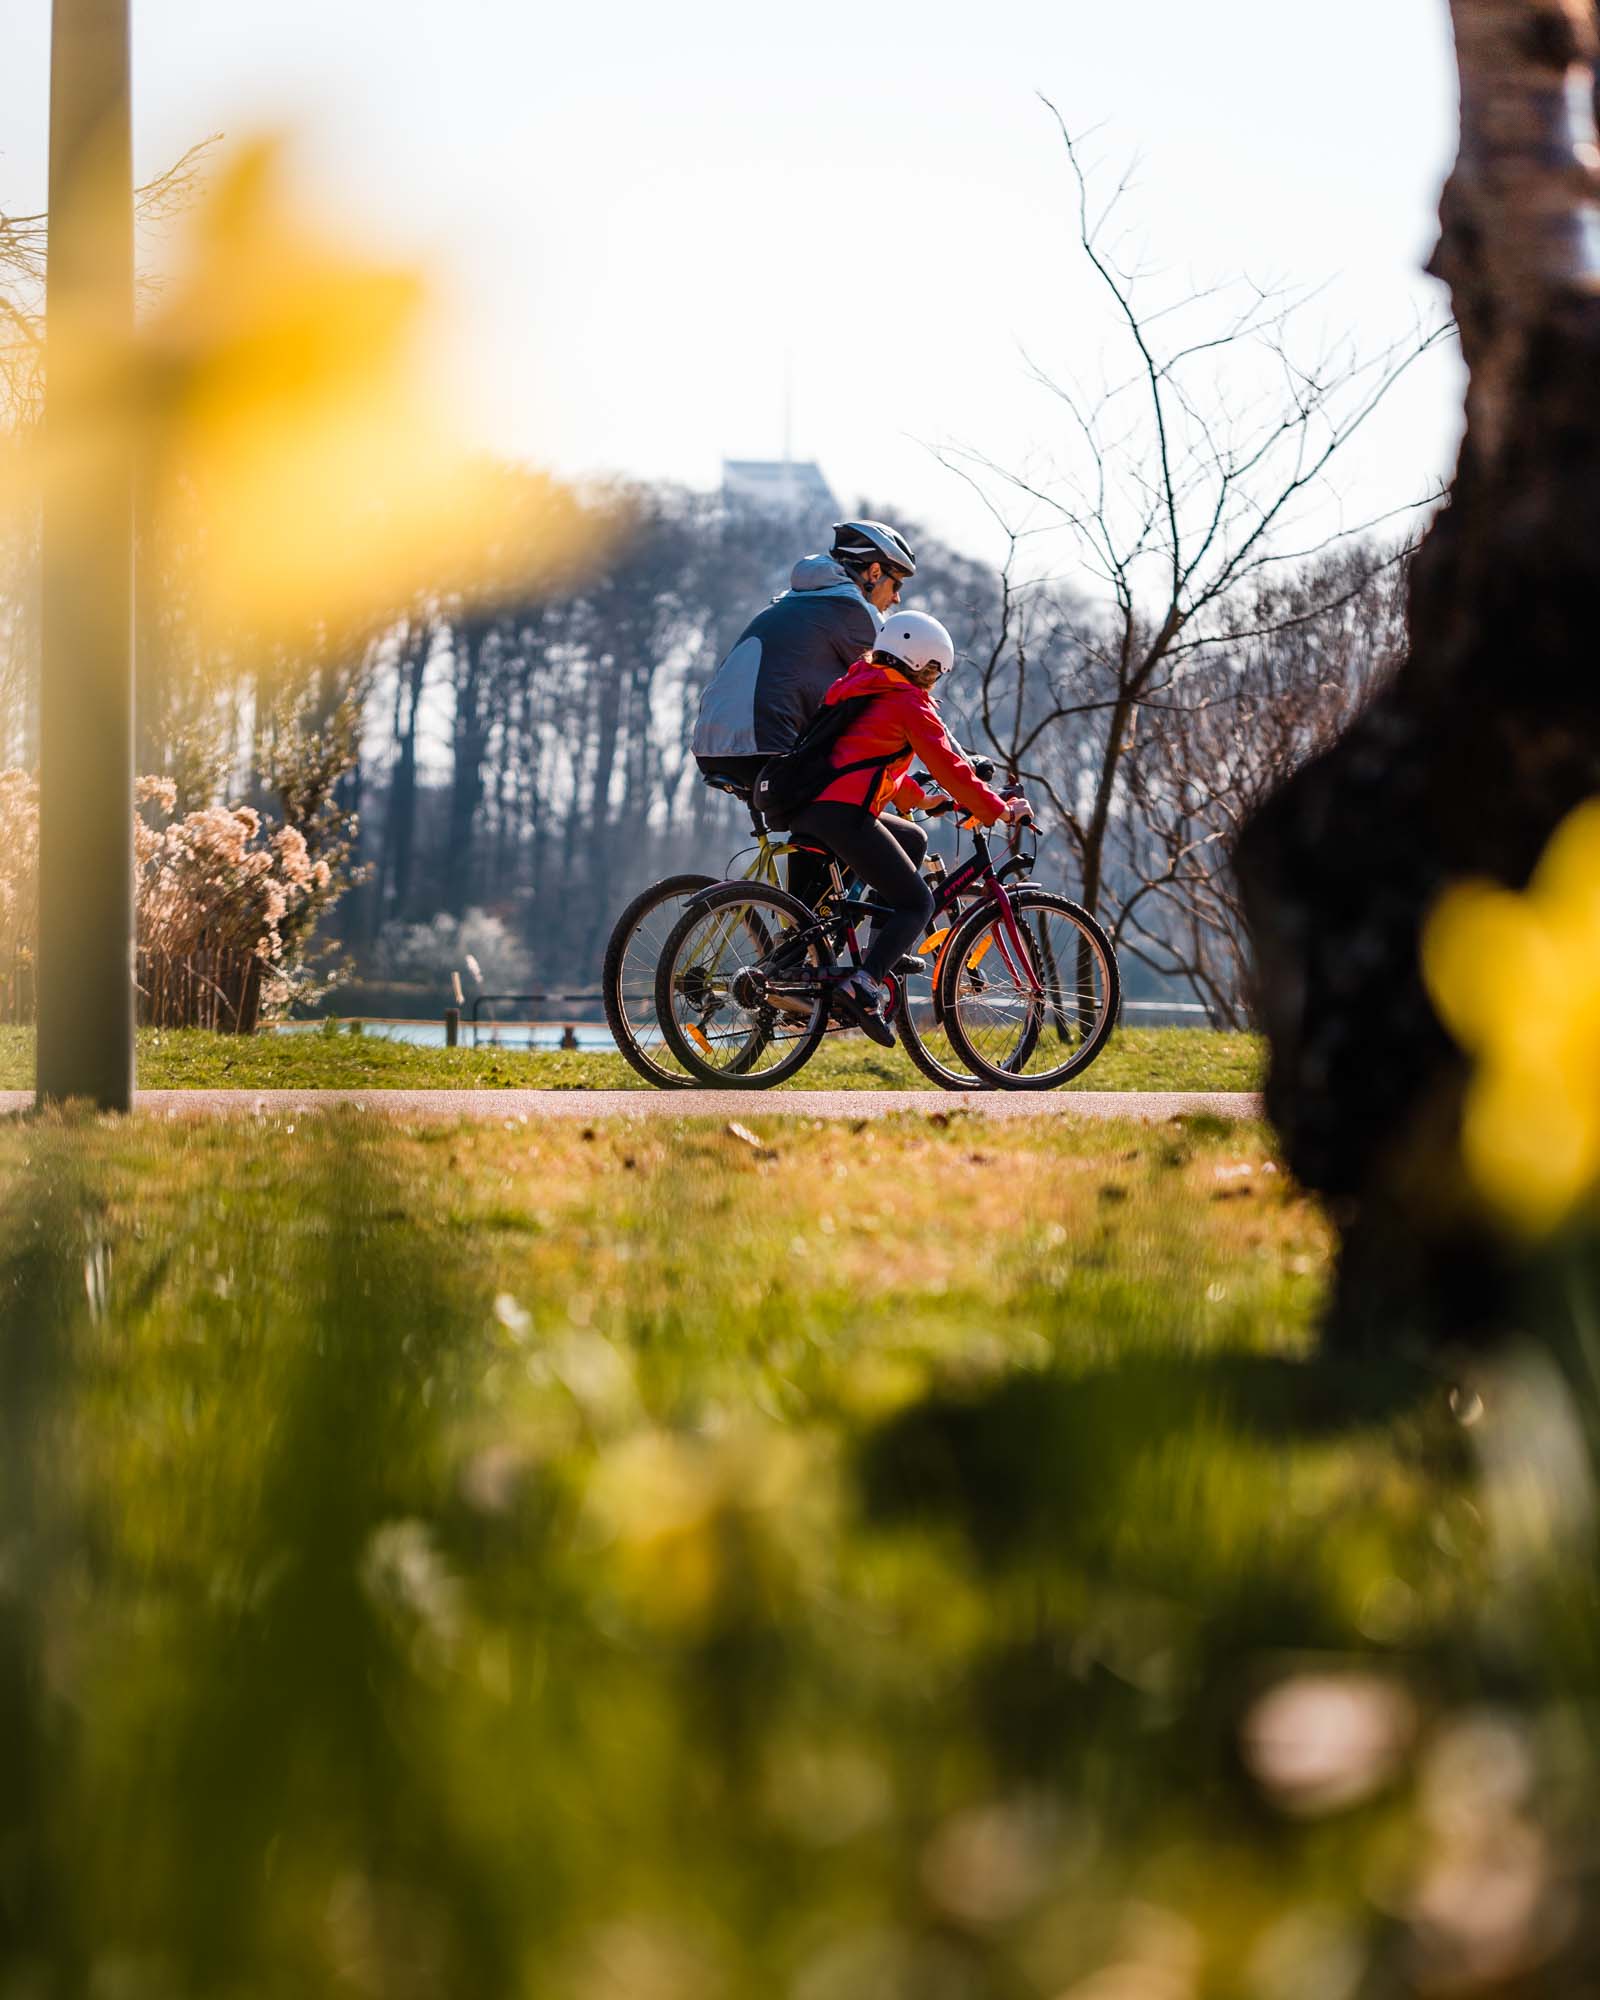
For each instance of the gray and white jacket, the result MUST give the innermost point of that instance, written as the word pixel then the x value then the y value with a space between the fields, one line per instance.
pixel 783 663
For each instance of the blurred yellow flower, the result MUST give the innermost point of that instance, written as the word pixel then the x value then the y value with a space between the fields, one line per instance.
pixel 289 431
pixel 1516 980
pixel 696 1523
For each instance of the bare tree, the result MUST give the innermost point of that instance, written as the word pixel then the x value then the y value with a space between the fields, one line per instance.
pixel 1190 473
pixel 23 240
pixel 1311 651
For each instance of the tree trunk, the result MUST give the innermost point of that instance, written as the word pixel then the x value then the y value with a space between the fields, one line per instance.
pixel 1488 735
pixel 400 816
pixel 468 743
pixel 1094 840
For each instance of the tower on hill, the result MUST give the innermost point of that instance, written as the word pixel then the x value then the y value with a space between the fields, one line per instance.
pixel 789 487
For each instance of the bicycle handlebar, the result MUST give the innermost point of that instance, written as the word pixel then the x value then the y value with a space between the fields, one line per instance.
pixel 985 770
pixel 1015 792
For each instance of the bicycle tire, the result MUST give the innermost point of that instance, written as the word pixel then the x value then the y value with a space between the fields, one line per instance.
pixel 923 1054
pixel 923 1051
pixel 967 1005
pixel 630 998
pixel 759 1028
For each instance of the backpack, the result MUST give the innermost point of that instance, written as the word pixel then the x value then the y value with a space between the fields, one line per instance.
pixel 794 779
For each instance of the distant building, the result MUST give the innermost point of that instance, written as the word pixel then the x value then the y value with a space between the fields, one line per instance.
pixel 789 487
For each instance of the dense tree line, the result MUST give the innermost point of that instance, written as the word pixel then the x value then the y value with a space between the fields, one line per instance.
pixel 532 761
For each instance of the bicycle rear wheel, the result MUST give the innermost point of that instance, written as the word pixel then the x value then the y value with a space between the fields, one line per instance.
pixel 919 1024
pixel 1026 1010
pixel 737 987
pixel 628 977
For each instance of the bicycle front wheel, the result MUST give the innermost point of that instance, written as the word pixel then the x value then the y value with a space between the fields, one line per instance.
pixel 738 988
pixel 628 977
pixel 1029 1003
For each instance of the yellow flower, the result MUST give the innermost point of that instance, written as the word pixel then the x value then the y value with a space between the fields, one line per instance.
pixel 694 1521
pixel 290 432
pixel 1516 980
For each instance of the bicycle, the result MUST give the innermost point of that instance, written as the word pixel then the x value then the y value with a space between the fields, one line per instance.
pixel 743 981
pixel 628 969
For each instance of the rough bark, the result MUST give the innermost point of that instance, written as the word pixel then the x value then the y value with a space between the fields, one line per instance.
pixel 1490 732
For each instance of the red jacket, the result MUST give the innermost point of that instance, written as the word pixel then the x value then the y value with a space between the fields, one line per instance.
pixel 902 723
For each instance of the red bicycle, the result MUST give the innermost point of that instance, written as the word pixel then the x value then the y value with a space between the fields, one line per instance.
pixel 1025 987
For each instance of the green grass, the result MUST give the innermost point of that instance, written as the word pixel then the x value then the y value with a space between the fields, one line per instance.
pixel 1135 1059
pixel 654 1560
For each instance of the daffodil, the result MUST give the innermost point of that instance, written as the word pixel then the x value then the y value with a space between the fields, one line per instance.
pixel 1516 980
pixel 290 432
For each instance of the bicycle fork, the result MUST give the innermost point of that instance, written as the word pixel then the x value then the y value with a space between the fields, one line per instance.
pixel 1014 953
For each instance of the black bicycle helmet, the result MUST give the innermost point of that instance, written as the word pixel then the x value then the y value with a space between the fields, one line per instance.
pixel 861 543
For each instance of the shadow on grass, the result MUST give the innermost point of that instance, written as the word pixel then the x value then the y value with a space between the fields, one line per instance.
pixel 1139 1543
pixel 1032 1458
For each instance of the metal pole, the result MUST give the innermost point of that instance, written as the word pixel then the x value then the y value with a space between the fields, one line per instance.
pixel 86 910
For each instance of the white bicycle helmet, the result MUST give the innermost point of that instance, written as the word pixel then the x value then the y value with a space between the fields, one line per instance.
pixel 916 640
pixel 866 542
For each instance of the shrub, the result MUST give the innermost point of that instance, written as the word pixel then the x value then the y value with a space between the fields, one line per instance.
pixel 227 904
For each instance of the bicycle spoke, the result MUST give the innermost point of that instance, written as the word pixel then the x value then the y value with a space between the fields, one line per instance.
pixel 628 973
pixel 741 987
pixel 1035 1003
pixel 636 988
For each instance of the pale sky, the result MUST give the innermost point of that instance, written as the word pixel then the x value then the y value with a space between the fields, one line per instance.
pixel 645 217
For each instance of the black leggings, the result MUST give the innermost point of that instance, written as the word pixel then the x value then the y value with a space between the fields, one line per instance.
pixel 887 854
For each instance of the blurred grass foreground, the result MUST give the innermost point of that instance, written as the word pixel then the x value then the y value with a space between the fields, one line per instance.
pixel 657 1561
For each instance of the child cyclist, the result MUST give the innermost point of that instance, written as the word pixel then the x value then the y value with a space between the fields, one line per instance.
pixel 897 722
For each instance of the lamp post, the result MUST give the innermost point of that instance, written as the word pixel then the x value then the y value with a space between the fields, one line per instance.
pixel 86 909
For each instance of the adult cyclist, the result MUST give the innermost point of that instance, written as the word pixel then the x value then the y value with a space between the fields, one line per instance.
pixel 784 661
pixel 781 666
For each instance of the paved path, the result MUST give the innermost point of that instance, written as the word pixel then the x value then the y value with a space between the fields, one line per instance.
pixel 1148 1105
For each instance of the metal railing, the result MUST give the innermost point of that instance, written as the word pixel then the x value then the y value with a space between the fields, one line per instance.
pixel 589 996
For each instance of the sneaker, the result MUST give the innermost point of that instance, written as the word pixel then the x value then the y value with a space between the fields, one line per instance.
pixel 909 966
pixel 860 1000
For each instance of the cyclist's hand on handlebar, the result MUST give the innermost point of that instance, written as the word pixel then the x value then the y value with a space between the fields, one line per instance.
pixel 936 803
pixel 1018 812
